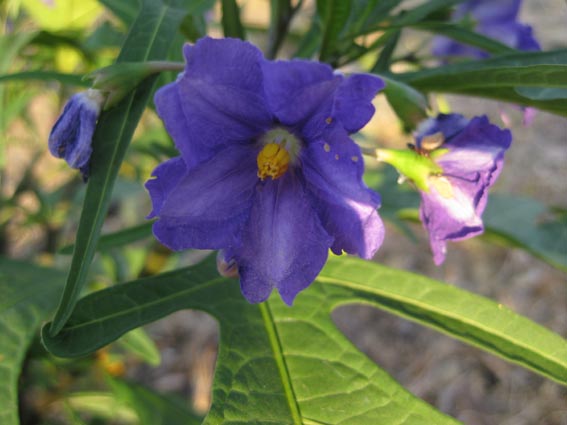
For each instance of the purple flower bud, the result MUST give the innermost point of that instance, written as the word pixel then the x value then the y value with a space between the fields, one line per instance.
pixel 471 158
pixel 495 19
pixel 72 134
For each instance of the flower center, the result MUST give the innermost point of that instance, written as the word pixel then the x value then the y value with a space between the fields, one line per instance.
pixel 273 161
pixel 280 149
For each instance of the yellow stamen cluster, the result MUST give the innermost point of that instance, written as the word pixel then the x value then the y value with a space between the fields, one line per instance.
pixel 273 161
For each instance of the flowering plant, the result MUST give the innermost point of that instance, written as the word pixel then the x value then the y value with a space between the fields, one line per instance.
pixel 255 190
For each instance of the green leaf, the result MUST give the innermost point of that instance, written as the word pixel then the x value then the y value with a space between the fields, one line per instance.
pixel 419 13
pixel 408 104
pixel 289 365
pixel 103 405
pixel 149 39
pixel 27 295
pixel 68 79
pixel 498 77
pixel 466 36
pixel 537 69
pixel 117 239
pixel 528 224
pixel 153 408
pixel 231 24
pixel 365 13
pixel 125 10
pixel 538 93
pixel 139 343
pixel 334 14
pixel 276 364
pixel 382 64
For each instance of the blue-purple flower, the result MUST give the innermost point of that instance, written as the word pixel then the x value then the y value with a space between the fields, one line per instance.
pixel 495 19
pixel 267 172
pixel 71 136
pixel 470 155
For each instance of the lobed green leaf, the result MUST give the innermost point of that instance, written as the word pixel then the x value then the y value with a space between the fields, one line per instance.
pixel 292 365
pixel 276 364
pixel 27 295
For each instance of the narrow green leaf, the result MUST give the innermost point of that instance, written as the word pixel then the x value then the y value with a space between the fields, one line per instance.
pixel 139 343
pixel 365 13
pixel 419 13
pixel 68 79
pixel 148 39
pixel 28 294
pixel 231 24
pixel 276 364
pixel 537 93
pixel 281 12
pixel 498 78
pixel 382 64
pixel 334 14
pixel 466 36
pixel 537 69
pixel 117 239
pixel 408 104
pixel 509 94
pixel 153 408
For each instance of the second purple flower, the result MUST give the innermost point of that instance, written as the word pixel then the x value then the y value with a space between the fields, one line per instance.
pixel 267 172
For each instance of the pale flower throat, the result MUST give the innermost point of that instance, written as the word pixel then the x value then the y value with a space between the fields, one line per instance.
pixel 280 148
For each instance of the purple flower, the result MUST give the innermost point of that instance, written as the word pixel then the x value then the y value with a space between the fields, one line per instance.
pixel 470 157
pixel 267 172
pixel 495 19
pixel 72 134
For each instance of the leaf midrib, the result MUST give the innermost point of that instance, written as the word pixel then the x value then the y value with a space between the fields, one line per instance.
pixel 276 345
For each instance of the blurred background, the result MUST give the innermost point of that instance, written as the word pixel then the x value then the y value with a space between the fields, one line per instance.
pixel 41 201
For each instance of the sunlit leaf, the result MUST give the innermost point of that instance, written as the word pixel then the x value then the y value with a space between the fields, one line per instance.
pixel 294 360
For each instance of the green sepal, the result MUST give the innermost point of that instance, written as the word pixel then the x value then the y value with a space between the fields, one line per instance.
pixel 412 165
pixel 119 79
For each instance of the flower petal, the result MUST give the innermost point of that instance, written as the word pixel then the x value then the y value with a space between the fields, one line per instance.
pixel 478 148
pixel 167 175
pixel 218 101
pixel 283 245
pixel 353 101
pixel 333 170
pixel 452 218
pixel 71 136
pixel 296 89
pixel 207 207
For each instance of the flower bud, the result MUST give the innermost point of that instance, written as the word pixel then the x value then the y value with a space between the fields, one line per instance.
pixel 71 136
